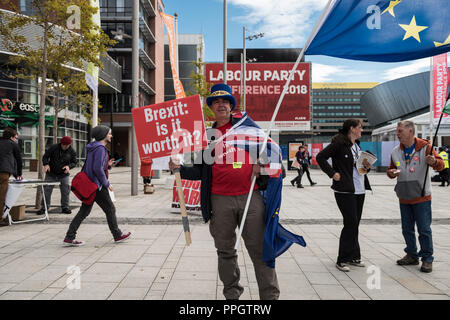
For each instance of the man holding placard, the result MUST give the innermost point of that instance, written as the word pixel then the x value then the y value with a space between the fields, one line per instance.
pixel 226 172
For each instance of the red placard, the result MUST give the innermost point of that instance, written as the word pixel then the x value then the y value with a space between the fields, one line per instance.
pixel 314 149
pixel 264 85
pixel 171 127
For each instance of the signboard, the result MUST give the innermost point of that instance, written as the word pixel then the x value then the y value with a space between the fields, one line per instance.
pixel 191 193
pixel 26 114
pixel 171 127
pixel 314 149
pixel 264 85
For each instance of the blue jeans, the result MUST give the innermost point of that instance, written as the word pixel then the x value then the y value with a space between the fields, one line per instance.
pixel 419 214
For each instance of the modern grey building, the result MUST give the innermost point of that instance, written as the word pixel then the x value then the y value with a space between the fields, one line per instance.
pixel 335 102
pixel 20 99
pixel 402 99
pixel 116 22
pixel 191 48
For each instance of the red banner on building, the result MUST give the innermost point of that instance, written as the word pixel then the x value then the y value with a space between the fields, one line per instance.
pixel 168 128
pixel 264 85
pixel 440 86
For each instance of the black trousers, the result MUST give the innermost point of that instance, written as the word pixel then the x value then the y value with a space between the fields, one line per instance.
pixel 444 174
pixel 297 180
pixel 104 201
pixel 351 206
pixel 305 168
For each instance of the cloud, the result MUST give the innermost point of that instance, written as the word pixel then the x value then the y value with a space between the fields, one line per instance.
pixel 411 68
pixel 284 23
pixel 334 73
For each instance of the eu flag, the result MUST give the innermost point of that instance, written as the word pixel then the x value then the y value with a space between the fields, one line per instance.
pixel 247 135
pixel 276 238
pixel 384 30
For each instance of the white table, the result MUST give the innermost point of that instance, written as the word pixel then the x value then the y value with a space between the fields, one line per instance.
pixel 15 188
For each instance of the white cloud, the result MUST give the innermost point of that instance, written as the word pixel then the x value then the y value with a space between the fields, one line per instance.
pixel 334 73
pixel 284 22
pixel 411 68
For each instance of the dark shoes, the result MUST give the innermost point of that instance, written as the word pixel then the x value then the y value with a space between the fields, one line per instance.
pixel 300 186
pixel 313 183
pixel 427 267
pixel 293 183
pixel 342 266
pixel 40 212
pixel 66 211
pixel 408 260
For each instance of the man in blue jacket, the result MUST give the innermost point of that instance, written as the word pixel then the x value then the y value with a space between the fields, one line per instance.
pixel 96 167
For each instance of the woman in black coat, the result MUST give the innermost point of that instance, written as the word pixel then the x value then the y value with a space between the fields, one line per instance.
pixel 349 188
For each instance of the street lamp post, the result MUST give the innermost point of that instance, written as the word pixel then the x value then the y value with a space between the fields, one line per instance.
pixel 255 36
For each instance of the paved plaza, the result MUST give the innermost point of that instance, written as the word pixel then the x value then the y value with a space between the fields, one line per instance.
pixel 155 264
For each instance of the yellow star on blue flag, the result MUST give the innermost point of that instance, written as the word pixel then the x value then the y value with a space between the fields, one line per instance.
pixel 361 30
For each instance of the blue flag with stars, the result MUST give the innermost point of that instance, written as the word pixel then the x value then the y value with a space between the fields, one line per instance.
pixel 384 30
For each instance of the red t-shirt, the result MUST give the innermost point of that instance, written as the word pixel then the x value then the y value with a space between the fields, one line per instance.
pixel 231 170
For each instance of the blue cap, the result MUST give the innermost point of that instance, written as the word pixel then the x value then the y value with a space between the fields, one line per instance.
pixel 221 90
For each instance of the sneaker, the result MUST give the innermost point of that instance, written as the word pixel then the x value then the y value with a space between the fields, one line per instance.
pixel 426 267
pixel 357 263
pixel 408 260
pixel 342 266
pixel 72 243
pixel 123 237
pixel 66 211
pixel 40 212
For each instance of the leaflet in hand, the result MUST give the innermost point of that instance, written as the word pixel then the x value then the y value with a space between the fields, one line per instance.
pixel 359 163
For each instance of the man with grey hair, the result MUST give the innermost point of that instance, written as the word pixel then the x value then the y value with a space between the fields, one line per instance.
pixel 409 164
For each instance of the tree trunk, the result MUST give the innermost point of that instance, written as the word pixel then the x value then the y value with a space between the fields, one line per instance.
pixel 42 117
pixel 55 119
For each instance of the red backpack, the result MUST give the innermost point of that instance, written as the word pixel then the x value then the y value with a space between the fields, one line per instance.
pixel 83 187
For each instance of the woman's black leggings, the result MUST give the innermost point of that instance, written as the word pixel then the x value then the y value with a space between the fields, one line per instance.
pixel 351 206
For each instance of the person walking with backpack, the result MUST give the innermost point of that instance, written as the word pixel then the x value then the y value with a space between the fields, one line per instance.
pixel 96 168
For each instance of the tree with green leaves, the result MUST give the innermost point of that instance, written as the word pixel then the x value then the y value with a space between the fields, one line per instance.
pixel 62 35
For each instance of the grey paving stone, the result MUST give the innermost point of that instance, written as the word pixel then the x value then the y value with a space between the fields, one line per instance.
pixel 88 291
pixel 18 295
pixel 128 294
pixel 332 292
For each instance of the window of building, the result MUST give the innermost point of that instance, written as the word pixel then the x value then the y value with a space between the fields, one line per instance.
pixel 187 53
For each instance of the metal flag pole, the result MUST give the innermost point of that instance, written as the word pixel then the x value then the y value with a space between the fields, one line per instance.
pixel 224 41
pixel 318 25
pixel 135 96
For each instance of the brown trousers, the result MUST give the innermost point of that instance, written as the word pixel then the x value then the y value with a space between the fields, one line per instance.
pixel 227 212
pixel 4 182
